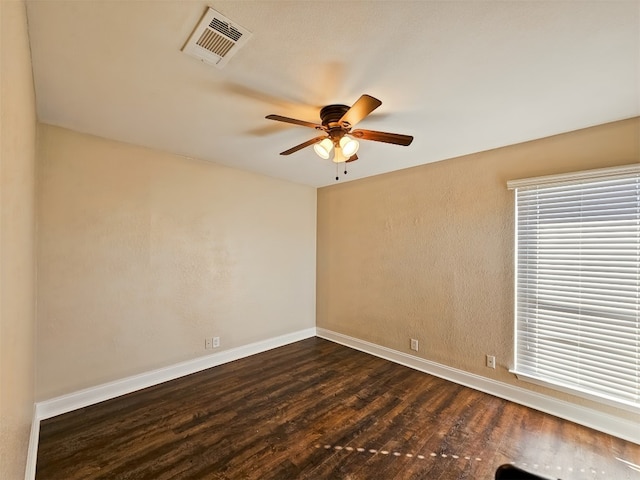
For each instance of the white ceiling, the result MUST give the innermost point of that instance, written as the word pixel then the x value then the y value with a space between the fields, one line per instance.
pixel 460 76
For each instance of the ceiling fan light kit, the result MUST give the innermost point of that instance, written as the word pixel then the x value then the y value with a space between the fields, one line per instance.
pixel 345 149
pixel 323 148
pixel 336 123
pixel 349 146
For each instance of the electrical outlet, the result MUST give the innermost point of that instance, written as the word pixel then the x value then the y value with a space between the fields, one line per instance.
pixel 491 361
pixel 216 342
pixel 414 344
pixel 208 343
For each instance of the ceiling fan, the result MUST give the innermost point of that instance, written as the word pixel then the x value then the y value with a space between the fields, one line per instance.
pixel 336 123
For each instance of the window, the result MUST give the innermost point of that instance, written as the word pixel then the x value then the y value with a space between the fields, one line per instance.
pixel 577 325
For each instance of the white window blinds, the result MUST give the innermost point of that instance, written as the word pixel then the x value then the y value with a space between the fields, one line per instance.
pixel 578 283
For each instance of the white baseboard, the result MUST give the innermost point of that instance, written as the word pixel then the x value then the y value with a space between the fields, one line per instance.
pixel 89 396
pixel 32 452
pixel 588 417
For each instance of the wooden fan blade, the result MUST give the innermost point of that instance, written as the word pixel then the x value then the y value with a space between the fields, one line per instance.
pixel 395 138
pixel 303 145
pixel 280 118
pixel 353 158
pixel 363 107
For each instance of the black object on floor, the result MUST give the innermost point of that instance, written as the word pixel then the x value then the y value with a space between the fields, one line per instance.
pixel 509 472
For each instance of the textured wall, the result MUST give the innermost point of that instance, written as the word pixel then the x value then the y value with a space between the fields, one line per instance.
pixel 428 253
pixel 143 254
pixel 17 237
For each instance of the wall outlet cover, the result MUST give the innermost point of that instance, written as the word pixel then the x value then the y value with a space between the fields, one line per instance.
pixel 491 361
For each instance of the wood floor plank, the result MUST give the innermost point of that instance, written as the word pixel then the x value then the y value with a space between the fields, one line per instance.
pixel 318 410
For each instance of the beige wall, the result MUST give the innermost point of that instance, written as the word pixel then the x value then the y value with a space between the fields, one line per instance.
pixel 428 253
pixel 143 254
pixel 17 237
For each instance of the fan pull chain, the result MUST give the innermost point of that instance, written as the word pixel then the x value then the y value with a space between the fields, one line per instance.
pixel 338 172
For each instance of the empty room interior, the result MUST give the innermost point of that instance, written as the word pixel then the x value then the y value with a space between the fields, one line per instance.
pixel 321 240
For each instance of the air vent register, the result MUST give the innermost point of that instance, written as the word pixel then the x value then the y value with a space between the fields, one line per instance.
pixel 216 39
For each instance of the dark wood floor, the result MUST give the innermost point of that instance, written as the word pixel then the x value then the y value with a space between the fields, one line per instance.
pixel 318 410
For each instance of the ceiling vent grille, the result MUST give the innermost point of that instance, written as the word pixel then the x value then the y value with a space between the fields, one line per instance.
pixel 216 39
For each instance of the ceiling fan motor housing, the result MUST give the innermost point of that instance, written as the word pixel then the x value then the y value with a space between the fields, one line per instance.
pixel 331 115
